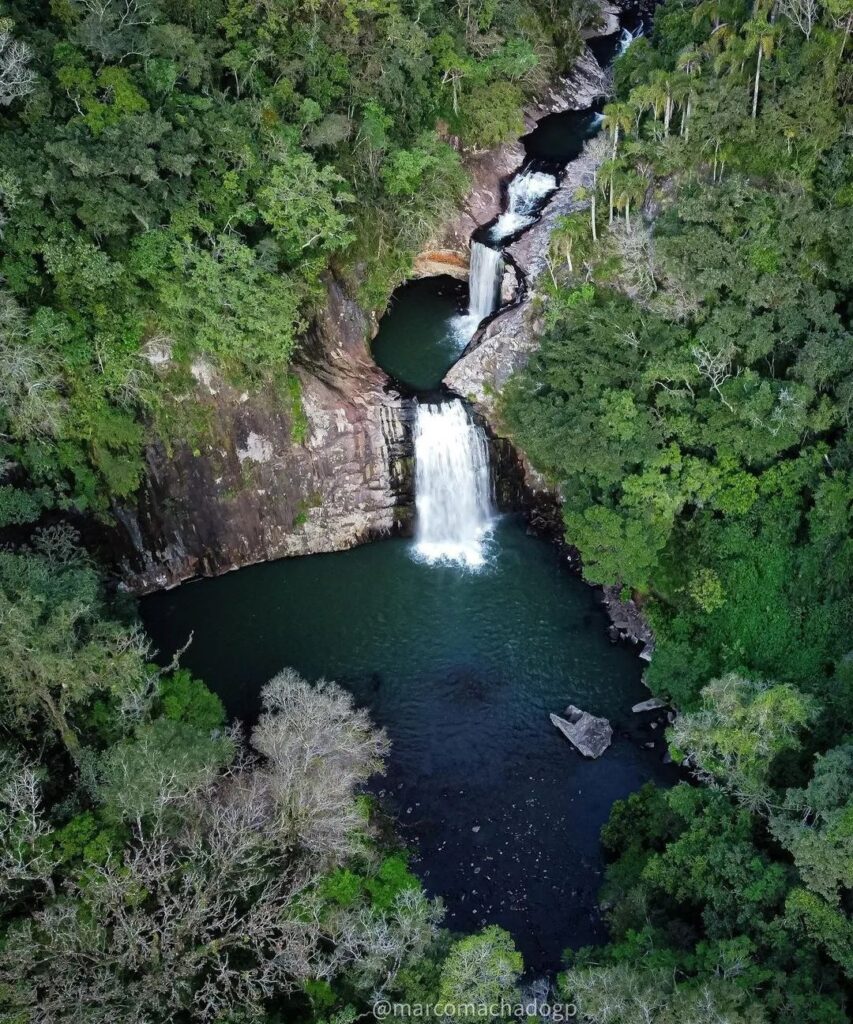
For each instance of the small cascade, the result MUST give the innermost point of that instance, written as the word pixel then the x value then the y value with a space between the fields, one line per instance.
pixel 525 193
pixel 453 491
pixel 484 289
pixel 626 38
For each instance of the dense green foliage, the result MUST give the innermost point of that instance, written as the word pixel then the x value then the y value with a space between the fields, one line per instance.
pixel 176 178
pixel 691 399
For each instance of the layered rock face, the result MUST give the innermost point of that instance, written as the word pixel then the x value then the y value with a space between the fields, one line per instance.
pixel 320 468
pixel 326 465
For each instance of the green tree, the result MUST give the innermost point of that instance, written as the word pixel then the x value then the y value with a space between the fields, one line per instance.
pixel 482 969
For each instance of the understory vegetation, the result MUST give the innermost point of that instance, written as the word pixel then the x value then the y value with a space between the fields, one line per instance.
pixel 692 400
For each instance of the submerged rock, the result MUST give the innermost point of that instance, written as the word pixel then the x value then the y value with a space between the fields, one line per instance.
pixel 590 734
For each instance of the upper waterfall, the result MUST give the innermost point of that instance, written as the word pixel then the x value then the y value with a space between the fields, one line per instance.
pixel 453 490
pixel 484 288
pixel 526 191
pixel 627 37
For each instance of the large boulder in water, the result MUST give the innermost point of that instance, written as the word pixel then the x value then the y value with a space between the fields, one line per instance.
pixel 591 735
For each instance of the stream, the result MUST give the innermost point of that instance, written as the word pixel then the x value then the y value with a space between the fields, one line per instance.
pixel 459 640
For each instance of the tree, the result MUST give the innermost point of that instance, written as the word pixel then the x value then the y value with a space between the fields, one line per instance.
pixel 760 37
pixel 317 750
pixel 816 825
pixel 17 78
pixel 482 969
pixel 742 726
pixel 217 902
pixel 803 13
pixel 58 653
pixel 618 117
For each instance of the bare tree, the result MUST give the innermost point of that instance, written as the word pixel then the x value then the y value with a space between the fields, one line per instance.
pixel 16 77
pixel 318 749
pixel 715 367
pixel 803 13
pixel 113 29
pixel 24 857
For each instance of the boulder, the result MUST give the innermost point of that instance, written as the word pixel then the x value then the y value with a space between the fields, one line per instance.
pixel 652 704
pixel 591 735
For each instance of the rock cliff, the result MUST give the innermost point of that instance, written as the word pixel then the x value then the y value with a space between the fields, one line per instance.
pixel 325 463
pixel 318 468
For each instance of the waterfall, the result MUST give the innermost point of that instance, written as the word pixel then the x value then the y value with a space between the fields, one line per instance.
pixel 484 281
pixel 484 289
pixel 452 485
pixel 526 191
pixel 626 38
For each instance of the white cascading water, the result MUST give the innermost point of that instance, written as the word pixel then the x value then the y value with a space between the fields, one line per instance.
pixel 526 191
pixel 453 489
pixel 484 289
pixel 626 38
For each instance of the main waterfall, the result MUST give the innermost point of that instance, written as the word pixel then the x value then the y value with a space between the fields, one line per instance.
pixel 453 492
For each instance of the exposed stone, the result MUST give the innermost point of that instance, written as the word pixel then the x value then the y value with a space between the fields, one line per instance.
pixel 510 284
pixel 433 262
pixel 157 352
pixel 585 83
pixel 608 22
pixel 590 734
pixel 273 479
pixel 652 704
pixel 628 620
pixel 258 449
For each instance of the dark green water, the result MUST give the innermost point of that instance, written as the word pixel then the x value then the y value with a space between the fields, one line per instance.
pixel 559 138
pixel 416 344
pixel 462 669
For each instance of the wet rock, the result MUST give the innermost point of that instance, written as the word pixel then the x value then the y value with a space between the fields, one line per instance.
pixel 652 704
pixel 506 343
pixel 590 734
pixel 509 285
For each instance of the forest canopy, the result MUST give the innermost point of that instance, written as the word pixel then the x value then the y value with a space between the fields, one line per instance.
pixel 177 178
pixel 691 401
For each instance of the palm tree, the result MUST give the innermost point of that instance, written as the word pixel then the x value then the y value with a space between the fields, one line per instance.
pixel 759 38
pixel 630 187
pixel 708 10
pixel 618 117
pixel 689 63
pixel 660 93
